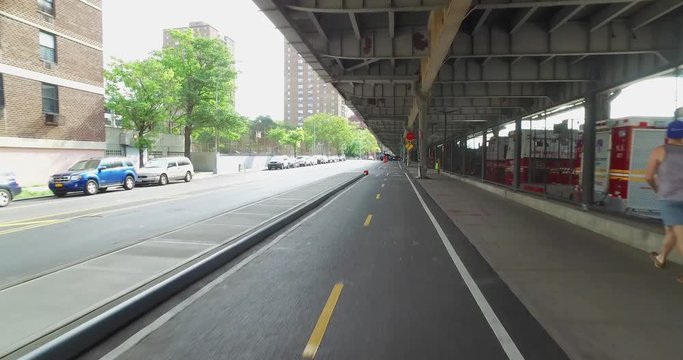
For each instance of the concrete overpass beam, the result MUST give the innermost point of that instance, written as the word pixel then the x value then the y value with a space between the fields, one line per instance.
pixel 653 12
pixel 608 14
pixel 422 105
pixel 443 27
pixel 563 15
pixel 518 153
pixel 597 107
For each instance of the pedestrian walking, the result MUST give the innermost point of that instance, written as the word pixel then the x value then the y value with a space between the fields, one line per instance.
pixel 665 175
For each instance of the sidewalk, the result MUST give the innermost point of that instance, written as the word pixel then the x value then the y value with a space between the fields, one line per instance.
pixel 599 299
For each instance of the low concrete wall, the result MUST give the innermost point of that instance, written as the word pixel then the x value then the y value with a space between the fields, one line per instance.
pixel 204 161
pixel 34 166
pixel 231 163
pixel 641 236
pixel 227 164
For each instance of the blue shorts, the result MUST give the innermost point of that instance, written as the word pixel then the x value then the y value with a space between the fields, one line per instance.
pixel 672 212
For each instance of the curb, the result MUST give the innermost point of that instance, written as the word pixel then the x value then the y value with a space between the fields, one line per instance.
pixel 84 336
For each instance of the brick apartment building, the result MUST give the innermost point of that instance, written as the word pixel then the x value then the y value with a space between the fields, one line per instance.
pixel 306 93
pixel 51 86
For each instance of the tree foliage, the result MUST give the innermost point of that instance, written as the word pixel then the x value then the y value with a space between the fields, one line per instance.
pixel 362 143
pixel 333 133
pixel 141 93
pixel 205 72
pixel 294 138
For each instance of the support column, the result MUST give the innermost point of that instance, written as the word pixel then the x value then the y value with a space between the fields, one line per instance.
pixel 597 108
pixel 483 154
pixel 464 156
pixel 422 157
pixel 518 154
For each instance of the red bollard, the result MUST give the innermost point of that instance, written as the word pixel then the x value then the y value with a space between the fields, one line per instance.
pixel 365 172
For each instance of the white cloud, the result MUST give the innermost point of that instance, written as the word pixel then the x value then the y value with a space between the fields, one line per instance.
pixel 134 28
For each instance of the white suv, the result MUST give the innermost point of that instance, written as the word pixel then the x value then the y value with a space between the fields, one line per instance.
pixel 279 162
pixel 162 170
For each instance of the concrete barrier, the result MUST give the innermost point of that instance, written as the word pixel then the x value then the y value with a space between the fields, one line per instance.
pixel 227 164
pixel 638 235
pixel 75 341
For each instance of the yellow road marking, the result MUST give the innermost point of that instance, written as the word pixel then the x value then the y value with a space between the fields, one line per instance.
pixel 319 330
pixel 24 223
pixel 377 197
pixel 27 227
pixel 367 220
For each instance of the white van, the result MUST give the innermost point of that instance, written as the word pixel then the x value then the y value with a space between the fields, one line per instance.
pixel 162 170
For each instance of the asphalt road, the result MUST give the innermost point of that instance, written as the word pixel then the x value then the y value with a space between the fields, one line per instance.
pixel 39 236
pixel 372 275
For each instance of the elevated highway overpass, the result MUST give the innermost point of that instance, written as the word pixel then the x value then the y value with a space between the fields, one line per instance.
pixel 447 69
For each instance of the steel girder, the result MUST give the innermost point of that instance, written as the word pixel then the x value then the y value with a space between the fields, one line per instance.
pixel 509 58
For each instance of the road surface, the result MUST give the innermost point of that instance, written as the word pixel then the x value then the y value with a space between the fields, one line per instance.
pixel 40 236
pixel 377 273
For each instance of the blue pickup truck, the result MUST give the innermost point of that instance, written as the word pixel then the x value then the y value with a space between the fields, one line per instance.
pixel 94 175
pixel 9 188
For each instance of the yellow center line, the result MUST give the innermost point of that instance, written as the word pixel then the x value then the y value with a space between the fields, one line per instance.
pixel 27 227
pixel 24 223
pixel 368 220
pixel 377 197
pixel 319 330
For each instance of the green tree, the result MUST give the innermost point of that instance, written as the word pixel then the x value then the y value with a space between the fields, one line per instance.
pixel 278 135
pixel 334 132
pixel 261 125
pixel 226 125
pixel 140 92
pixel 294 138
pixel 205 70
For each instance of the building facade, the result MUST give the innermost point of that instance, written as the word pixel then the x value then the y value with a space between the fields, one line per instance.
pixel 305 93
pixel 201 29
pixel 51 86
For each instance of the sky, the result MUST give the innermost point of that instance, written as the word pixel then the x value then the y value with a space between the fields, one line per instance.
pixel 134 28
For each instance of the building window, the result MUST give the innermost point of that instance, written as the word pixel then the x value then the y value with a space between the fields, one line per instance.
pixel 48 52
pixel 50 99
pixel 2 92
pixel 47 6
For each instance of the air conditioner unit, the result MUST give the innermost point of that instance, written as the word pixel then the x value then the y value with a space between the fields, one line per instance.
pixel 51 119
pixel 49 65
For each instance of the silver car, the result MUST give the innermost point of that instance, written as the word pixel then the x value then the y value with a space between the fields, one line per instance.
pixel 162 170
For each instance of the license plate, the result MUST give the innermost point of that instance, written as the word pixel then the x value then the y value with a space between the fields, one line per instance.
pixel 59 185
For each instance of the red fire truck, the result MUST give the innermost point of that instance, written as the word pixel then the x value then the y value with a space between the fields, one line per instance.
pixel 622 149
pixel 547 163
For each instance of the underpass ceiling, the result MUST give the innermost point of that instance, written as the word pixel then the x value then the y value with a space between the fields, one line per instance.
pixel 509 58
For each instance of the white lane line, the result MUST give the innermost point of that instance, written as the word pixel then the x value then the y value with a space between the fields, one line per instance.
pixel 156 324
pixel 498 329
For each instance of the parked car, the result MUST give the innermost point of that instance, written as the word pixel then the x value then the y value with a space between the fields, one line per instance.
pixel 310 161
pixel 342 157
pixel 325 159
pixel 9 188
pixel 162 170
pixel 301 161
pixel 334 158
pixel 279 162
pixel 93 175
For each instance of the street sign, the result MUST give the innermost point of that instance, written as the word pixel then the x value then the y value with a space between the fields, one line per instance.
pixel 410 136
pixel 409 146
